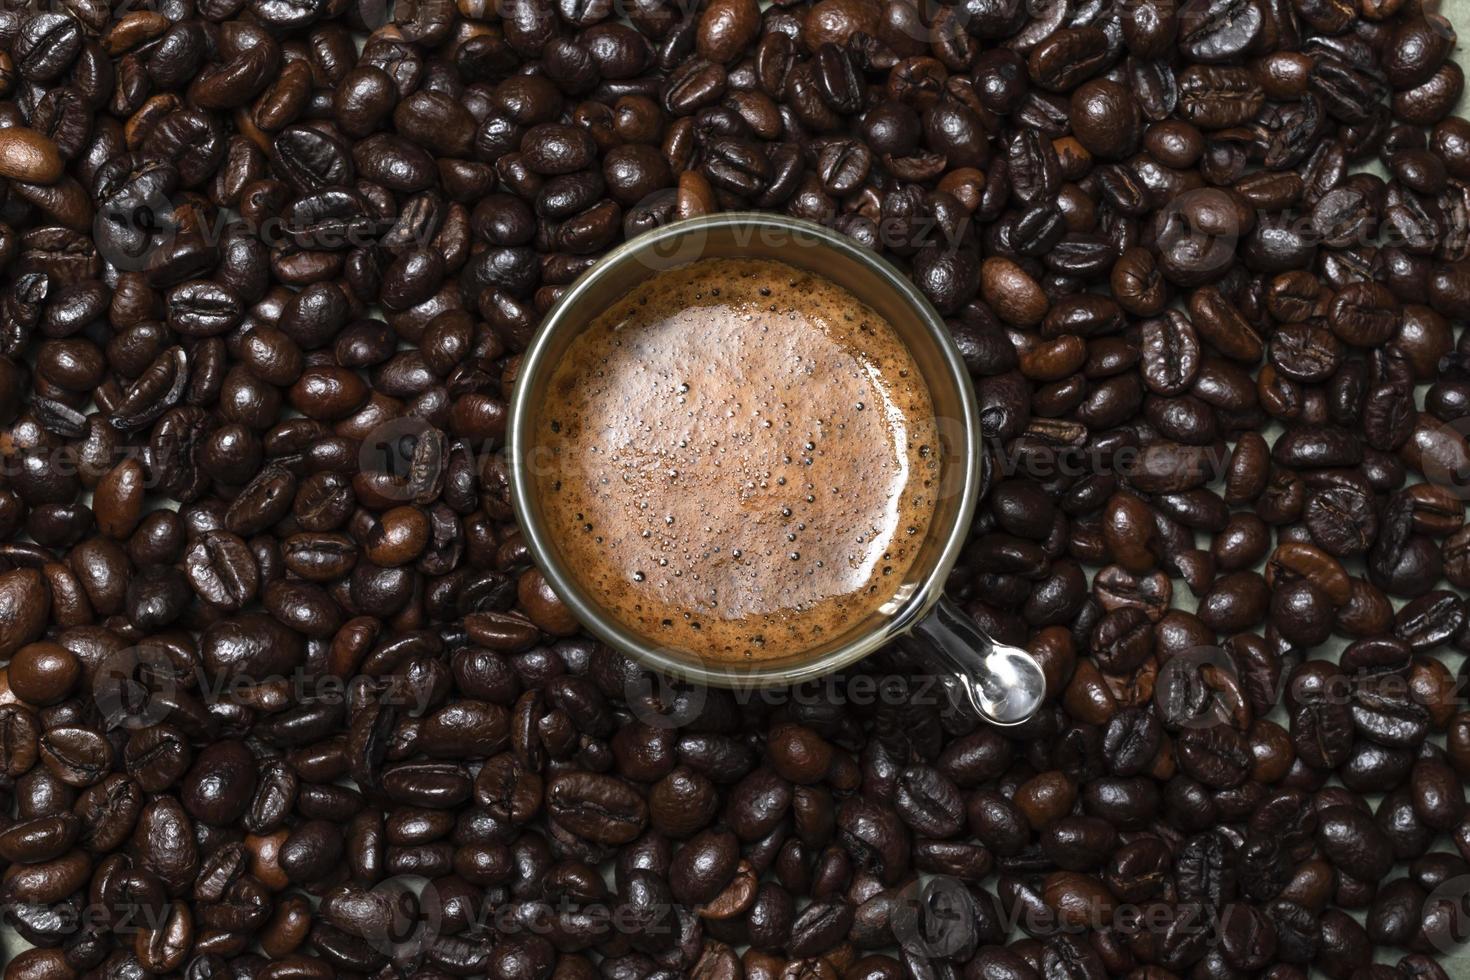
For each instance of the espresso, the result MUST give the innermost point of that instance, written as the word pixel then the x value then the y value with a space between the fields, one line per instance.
pixel 743 460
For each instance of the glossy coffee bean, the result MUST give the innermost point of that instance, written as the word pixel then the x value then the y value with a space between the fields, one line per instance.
pixel 274 642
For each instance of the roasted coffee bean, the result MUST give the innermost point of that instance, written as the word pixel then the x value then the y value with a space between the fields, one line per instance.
pixel 599 807
pixel 1349 838
pixel 43 673
pixel 259 539
pixel 75 755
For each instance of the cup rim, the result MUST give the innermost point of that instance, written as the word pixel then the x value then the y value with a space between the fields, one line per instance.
pixel 520 435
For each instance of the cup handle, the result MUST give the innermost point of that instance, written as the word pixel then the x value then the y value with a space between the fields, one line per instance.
pixel 1002 684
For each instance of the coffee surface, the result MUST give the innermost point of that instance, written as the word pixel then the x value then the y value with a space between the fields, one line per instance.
pixel 742 460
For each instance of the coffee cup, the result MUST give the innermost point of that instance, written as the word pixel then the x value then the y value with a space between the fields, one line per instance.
pixel 1000 683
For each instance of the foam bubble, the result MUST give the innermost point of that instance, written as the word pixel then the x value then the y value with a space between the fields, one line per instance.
pixel 742 460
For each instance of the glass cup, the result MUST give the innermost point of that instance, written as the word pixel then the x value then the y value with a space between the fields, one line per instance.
pixel 1002 684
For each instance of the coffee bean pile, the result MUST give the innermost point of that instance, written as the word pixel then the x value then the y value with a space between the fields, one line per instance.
pixel 286 700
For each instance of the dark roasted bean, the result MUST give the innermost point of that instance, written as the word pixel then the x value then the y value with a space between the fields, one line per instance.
pixel 269 271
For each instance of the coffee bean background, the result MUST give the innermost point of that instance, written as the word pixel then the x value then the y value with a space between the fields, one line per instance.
pixel 284 697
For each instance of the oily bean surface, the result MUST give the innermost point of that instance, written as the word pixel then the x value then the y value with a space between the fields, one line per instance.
pixel 283 696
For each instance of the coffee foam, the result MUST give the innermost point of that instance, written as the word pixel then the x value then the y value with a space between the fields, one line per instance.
pixel 744 460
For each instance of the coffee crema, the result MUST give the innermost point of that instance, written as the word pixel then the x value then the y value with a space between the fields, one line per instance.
pixel 743 460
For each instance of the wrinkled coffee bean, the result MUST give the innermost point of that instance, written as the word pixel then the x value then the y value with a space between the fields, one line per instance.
pixel 284 695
